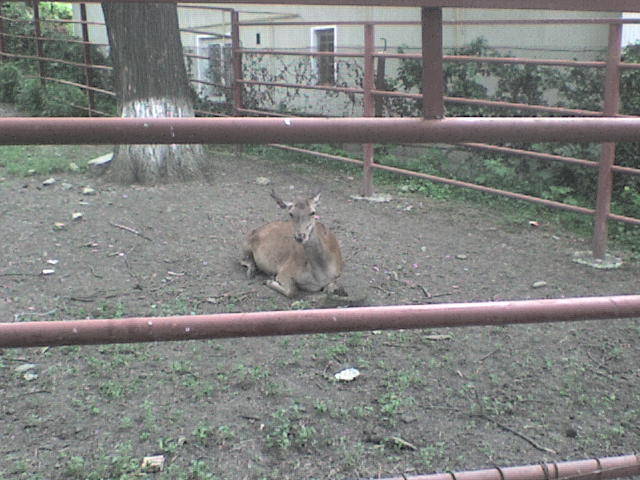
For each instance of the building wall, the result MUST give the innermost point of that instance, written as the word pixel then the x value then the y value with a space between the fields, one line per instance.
pixel 570 41
pixel 583 42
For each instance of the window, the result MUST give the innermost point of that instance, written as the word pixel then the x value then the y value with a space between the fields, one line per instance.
pixel 324 41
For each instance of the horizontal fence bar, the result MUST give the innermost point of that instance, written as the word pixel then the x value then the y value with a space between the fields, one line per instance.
pixel 446 58
pixel 56 60
pixel 505 60
pixel 459 183
pixel 591 469
pixel 454 23
pixel 547 156
pixel 301 86
pixel 308 53
pixel 73 84
pixel 82 131
pixel 297 322
pixel 583 5
pixel 495 103
pixel 483 189
pixel 51 39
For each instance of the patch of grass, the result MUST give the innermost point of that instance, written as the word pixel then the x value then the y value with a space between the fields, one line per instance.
pixel 288 429
pixel 28 160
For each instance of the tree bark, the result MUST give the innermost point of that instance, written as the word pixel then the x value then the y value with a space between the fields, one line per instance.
pixel 150 80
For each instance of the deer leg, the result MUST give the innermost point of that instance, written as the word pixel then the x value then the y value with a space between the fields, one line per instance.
pixel 248 261
pixel 282 284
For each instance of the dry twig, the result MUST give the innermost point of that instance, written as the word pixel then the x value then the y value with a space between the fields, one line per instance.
pixel 516 433
pixel 130 230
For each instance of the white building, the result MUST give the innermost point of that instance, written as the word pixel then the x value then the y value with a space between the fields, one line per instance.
pixel 207 31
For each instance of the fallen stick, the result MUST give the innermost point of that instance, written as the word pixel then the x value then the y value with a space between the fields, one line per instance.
pixel 516 433
pixel 130 230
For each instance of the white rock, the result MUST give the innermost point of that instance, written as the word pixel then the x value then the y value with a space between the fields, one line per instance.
pixel 153 464
pixel 347 375
pixel 49 181
pixel 25 367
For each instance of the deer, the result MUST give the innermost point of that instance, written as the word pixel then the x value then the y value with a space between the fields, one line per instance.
pixel 302 253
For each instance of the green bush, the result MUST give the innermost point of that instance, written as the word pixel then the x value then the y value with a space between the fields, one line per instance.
pixel 63 101
pixel 10 80
pixel 20 27
pixel 31 98
pixel 52 100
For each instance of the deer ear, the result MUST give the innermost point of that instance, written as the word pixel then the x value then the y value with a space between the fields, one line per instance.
pixel 316 200
pixel 281 203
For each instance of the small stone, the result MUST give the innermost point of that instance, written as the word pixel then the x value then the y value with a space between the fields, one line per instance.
pixel 73 166
pixel 376 198
pixel 48 271
pixel 101 160
pixel 49 181
pixel 88 191
pixel 262 181
pixel 30 376
pixel 66 186
pixel 462 256
pixel 347 375
pixel 153 464
pixel 539 284
pixel 31 171
pixel 52 261
pixel 77 216
pixel 57 226
pixel 25 367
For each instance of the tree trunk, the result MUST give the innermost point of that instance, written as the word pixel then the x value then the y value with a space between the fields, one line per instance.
pixel 151 81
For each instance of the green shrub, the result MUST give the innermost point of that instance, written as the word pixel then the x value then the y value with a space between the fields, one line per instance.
pixel 31 98
pixel 10 79
pixel 63 101
pixel 52 100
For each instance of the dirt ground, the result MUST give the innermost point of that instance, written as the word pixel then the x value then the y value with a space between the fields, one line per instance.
pixel 267 408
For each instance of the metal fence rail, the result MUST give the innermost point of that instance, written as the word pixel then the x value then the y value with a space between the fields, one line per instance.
pixel 297 322
pixel 595 468
pixel 373 91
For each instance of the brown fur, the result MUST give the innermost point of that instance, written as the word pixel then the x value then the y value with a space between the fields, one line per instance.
pixel 312 263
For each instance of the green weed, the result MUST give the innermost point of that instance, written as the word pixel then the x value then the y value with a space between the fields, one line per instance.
pixel 29 160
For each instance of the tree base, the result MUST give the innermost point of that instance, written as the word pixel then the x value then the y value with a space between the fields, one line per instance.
pixel 153 164
pixel 609 262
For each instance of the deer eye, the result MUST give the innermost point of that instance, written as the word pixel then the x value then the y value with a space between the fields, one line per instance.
pixel 291 214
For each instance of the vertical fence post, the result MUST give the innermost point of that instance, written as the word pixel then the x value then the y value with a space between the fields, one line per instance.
pixel 2 45
pixel 608 150
pixel 236 63
pixel 88 72
pixel 369 106
pixel 432 70
pixel 380 85
pixel 37 31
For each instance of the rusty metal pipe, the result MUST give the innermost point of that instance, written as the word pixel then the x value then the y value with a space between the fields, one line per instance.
pixel 601 468
pixel 82 131
pixel 581 5
pixel 255 324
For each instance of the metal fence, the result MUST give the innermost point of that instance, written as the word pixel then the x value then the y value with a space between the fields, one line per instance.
pixel 431 128
pixel 434 100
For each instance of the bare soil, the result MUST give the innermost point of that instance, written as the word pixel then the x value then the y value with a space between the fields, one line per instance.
pixel 270 407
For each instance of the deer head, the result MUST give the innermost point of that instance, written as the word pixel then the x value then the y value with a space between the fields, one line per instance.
pixel 302 213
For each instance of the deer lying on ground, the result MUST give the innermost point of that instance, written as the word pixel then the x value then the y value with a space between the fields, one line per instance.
pixel 302 253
